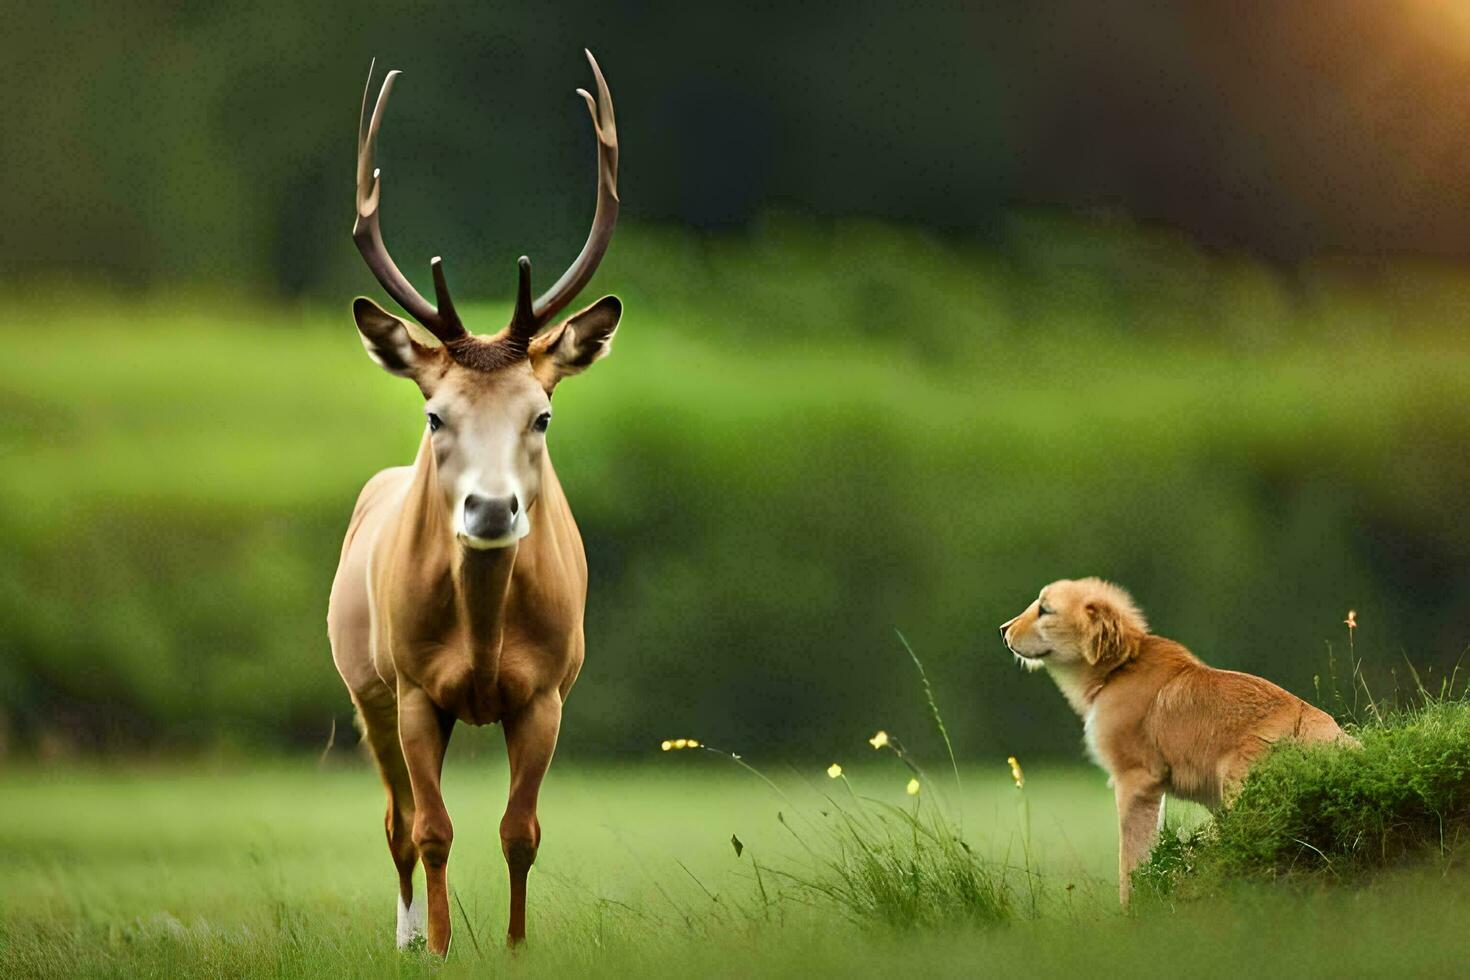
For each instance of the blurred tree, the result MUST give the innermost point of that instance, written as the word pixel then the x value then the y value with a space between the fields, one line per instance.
pixel 151 144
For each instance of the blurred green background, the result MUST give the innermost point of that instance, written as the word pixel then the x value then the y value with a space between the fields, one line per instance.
pixel 925 308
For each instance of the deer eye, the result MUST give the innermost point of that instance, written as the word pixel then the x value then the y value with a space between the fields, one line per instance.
pixel 434 422
pixel 1041 610
pixel 542 421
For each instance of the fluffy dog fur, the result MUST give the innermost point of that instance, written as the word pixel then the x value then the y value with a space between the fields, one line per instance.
pixel 1154 716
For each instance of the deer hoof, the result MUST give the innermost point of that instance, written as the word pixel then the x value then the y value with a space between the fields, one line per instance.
pixel 410 932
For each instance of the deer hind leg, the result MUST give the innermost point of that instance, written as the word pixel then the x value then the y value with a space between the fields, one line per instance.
pixel 530 740
pixel 423 733
pixel 379 712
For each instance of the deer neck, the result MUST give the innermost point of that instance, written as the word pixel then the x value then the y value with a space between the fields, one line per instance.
pixel 481 587
pixel 461 591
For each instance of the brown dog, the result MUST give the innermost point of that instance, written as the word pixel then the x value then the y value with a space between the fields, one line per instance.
pixel 1154 716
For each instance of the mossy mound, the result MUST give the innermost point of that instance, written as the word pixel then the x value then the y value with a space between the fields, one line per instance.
pixel 1337 811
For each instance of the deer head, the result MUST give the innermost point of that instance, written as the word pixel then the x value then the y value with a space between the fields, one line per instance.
pixel 487 397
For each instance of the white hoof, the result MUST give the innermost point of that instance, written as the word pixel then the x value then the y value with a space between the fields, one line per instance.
pixel 410 922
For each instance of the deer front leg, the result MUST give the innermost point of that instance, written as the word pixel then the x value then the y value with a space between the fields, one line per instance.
pixel 1139 797
pixel 530 740
pixel 423 731
pixel 379 713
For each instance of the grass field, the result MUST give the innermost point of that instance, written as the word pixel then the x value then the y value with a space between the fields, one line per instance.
pixel 279 869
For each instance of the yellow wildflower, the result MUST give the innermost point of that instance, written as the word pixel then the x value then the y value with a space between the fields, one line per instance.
pixel 693 743
pixel 912 788
pixel 879 741
pixel 1016 772
pixel 1352 620
pixel 681 743
pixel 666 745
pixel 833 771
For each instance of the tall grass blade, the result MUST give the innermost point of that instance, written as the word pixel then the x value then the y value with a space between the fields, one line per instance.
pixel 933 709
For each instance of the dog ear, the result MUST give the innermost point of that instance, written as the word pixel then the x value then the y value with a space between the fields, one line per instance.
pixel 1111 638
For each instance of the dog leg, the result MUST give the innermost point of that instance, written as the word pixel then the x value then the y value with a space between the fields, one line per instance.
pixel 1140 798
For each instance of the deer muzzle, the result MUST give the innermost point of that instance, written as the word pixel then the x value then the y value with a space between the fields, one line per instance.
pixel 493 522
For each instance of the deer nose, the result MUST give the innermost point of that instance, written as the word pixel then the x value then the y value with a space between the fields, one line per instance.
pixel 490 517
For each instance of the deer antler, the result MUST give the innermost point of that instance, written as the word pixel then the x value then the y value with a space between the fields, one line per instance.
pixel 530 317
pixel 442 321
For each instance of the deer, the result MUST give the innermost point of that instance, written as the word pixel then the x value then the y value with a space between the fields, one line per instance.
pixel 462 584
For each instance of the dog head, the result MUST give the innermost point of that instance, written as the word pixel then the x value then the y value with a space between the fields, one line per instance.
pixel 1075 623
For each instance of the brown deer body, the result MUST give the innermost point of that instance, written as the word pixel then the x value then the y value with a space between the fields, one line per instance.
pixel 462 582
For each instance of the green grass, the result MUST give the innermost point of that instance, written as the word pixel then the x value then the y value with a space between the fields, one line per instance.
pixel 231 869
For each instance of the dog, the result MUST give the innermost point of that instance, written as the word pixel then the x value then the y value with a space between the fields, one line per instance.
pixel 1154 716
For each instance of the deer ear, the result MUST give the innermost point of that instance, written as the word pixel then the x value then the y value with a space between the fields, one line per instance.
pixel 571 346
pixel 1109 640
pixel 389 341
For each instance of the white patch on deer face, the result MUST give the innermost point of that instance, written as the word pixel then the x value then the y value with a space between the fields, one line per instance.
pixel 489 441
